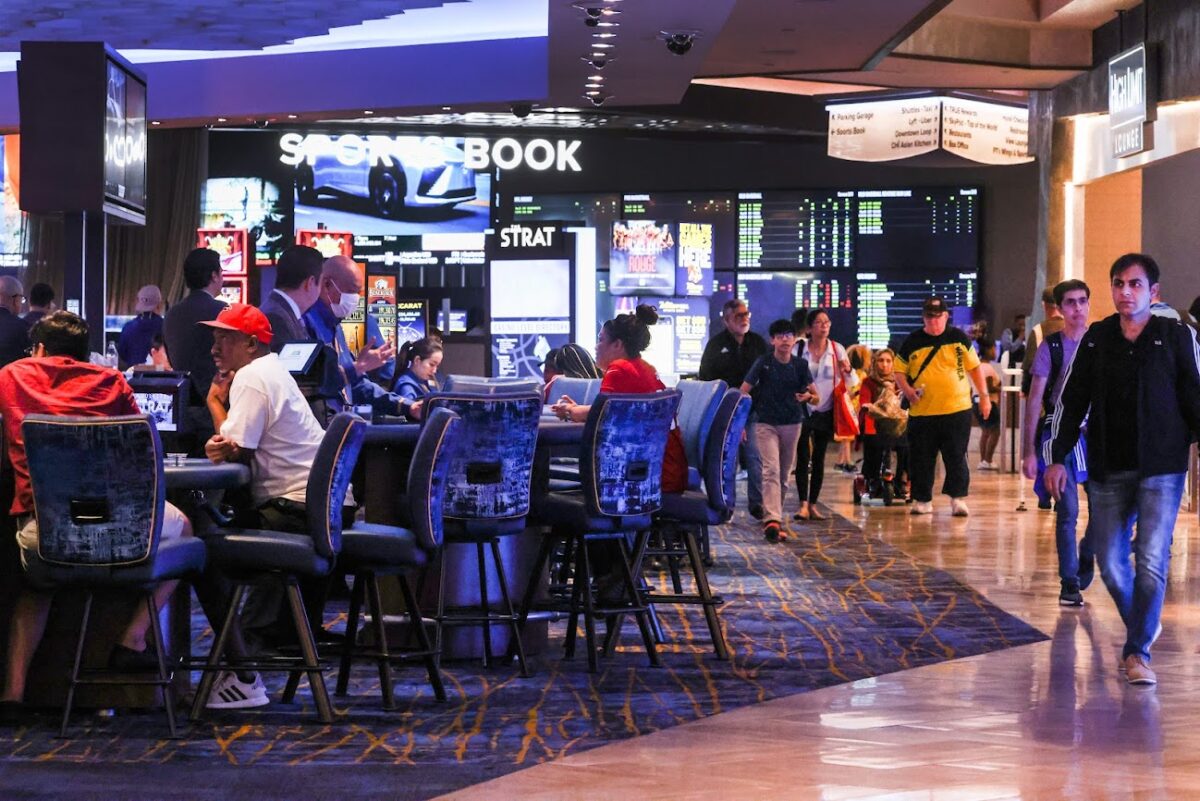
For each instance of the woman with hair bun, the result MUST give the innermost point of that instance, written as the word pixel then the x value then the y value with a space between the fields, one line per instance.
pixel 420 361
pixel 619 354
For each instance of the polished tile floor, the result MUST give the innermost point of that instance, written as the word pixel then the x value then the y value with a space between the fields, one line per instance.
pixel 1052 720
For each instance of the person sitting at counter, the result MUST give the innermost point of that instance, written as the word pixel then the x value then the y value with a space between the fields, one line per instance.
pixel 619 353
pixel 572 361
pixel 58 380
pixel 421 360
pixel 263 420
pixel 346 384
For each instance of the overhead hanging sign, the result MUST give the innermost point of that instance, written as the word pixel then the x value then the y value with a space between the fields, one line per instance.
pixel 884 130
pixel 1131 101
pixel 888 130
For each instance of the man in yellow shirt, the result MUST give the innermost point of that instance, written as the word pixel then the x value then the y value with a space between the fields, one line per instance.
pixel 935 368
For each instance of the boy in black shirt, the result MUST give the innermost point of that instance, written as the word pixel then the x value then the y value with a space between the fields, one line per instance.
pixel 784 386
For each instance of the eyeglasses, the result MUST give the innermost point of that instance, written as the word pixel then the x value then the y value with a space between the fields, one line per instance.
pixel 741 315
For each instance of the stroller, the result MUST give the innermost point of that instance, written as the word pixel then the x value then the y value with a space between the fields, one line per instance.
pixel 892 481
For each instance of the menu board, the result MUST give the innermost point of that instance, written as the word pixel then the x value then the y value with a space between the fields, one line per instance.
pixel 687 320
pixel 808 229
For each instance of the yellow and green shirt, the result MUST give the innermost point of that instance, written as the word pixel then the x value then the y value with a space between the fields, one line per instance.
pixel 945 383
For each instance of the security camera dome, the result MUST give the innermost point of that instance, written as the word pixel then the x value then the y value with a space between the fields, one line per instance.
pixel 679 43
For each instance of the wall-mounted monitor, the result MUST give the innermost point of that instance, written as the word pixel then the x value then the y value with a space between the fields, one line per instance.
pixel 83 130
pixel 774 296
pixel 889 304
pixel 796 229
pixel 917 230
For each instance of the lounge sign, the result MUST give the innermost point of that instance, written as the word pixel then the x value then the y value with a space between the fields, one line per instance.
pixel 1131 106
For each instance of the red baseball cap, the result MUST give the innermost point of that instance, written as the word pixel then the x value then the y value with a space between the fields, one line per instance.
pixel 245 319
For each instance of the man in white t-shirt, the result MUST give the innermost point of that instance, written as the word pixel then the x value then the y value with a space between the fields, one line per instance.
pixel 263 420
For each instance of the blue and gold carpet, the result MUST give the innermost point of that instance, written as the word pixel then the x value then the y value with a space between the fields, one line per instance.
pixel 832 605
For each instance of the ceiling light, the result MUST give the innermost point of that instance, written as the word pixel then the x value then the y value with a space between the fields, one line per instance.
pixel 604 35
pixel 445 108
pixel 607 25
pixel 602 46
pixel 594 85
pixel 595 77
pixel 368 111
pixel 291 116
pixel 221 119
pixel 155 122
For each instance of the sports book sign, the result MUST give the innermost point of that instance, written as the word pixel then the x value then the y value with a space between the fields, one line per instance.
pixel 1131 104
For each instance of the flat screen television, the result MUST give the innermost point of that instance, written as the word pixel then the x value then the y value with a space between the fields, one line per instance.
pixel 641 259
pixel 83 130
pixel 163 396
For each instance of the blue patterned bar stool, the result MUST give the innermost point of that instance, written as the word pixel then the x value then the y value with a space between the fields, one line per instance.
pixel 684 514
pixel 487 498
pixel 249 556
pixel 697 408
pixel 620 462
pixel 99 493
pixel 370 550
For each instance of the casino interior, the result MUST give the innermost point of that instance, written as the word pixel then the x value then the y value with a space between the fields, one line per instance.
pixel 511 602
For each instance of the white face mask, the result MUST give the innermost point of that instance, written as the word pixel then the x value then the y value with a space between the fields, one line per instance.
pixel 346 304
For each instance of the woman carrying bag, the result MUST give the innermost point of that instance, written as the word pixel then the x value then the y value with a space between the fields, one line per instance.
pixel 830 369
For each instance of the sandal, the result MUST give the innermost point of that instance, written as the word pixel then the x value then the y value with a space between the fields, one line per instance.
pixel 801 516
pixel 813 514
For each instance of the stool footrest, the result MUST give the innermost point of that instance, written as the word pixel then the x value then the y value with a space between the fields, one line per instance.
pixel 664 598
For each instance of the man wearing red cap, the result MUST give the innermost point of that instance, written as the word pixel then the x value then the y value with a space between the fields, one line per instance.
pixel 263 420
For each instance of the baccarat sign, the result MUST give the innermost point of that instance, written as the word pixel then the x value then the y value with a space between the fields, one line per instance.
pixel 352 150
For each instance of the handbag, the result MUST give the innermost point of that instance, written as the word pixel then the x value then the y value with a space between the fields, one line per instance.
pixel 845 421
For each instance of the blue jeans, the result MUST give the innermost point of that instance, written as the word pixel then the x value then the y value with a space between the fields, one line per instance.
pixel 1066 519
pixel 753 464
pixel 1116 504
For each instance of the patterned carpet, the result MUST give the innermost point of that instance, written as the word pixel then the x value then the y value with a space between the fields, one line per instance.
pixel 831 605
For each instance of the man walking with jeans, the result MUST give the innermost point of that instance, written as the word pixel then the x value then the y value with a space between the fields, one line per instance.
pixel 1048 368
pixel 935 368
pixel 1136 378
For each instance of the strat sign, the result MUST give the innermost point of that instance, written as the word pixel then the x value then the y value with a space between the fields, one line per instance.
pixel 523 236
pixel 372 150
pixel 1130 105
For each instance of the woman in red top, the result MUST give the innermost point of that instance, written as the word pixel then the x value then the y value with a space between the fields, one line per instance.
pixel 619 354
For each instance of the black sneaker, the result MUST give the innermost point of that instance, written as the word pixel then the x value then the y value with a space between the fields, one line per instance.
pixel 1045 505
pixel 772 532
pixel 1070 594
pixel 756 511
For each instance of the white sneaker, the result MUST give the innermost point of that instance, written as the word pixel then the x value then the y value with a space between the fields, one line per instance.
pixel 230 692
pixel 986 466
pixel 921 508
pixel 958 507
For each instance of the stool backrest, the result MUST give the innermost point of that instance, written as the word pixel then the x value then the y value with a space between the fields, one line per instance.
pixel 491 455
pixel 624 440
pixel 581 390
pixel 98 488
pixel 698 404
pixel 329 479
pixel 427 473
pixel 478 385
pixel 721 452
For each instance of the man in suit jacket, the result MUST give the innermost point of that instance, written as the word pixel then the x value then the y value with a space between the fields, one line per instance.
pixel 14 332
pixel 189 346
pixel 297 287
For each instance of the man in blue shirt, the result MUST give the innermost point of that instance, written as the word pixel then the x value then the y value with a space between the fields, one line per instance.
pixel 133 346
pixel 346 383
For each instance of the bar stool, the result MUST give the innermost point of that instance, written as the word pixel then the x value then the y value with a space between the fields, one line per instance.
pixel 370 550
pixel 624 440
pixel 250 556
pixel 487 498
pixel 99 493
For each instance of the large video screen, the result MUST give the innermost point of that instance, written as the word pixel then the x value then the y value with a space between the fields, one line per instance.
pixel 531 314
pixel 889 304
pixel 125 138
pixel 918 229
pixel 382 184
pixel 773 296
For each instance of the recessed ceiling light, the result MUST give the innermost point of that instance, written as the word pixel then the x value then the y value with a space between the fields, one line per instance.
pixel 155 122
pixel 607 24
pixel 221 119
pixel 603 35
pixel 291 116
pixel 368 111
pixel 595 77
pixel 594 85
pixel 602 46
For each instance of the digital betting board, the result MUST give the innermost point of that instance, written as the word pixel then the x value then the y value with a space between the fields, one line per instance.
pixel 889 305
pixel 796 230
pixel 774 296
pixel 917 229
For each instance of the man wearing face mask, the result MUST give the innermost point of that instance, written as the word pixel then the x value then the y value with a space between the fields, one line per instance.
pixel 346 383
pixel 297 288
